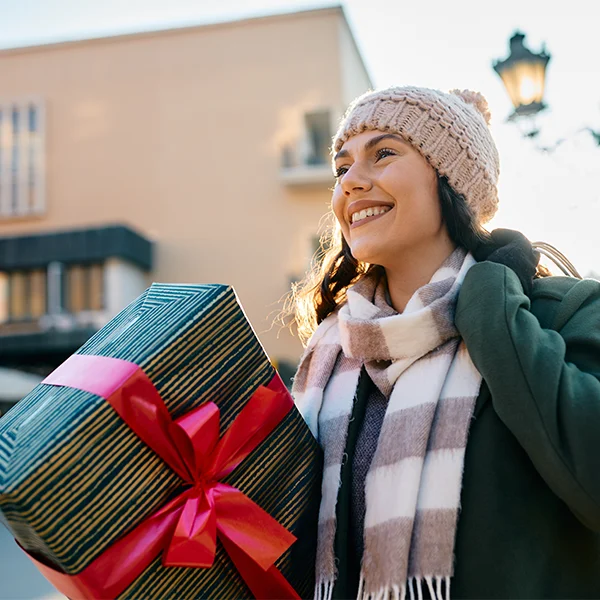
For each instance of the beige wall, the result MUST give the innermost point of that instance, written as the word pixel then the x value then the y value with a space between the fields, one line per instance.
pixel 179 135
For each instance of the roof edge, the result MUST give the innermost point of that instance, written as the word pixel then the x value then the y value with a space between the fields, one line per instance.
pixel 173 30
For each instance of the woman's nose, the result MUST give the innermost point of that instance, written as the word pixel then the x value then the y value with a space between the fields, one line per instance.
pixel 355 180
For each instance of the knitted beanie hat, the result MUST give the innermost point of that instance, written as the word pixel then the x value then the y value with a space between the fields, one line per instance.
pixel 449 130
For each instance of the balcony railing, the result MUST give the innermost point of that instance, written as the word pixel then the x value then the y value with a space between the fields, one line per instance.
pixel 310 170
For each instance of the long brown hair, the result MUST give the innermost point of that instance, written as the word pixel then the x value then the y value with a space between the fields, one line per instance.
pixel 334 269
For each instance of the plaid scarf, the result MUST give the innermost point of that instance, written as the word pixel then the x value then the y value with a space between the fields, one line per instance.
pixel 412 490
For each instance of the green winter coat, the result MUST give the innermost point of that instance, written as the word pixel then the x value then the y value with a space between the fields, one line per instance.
pixel 529 525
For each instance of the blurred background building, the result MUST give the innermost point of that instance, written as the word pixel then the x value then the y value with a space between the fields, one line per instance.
pixel 193 155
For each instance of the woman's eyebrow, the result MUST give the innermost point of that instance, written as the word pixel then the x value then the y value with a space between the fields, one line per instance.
pixel 341 154
pixel 371 143
pixel 374 141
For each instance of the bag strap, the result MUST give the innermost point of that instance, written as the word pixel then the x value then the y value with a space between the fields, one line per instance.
pixel 558 258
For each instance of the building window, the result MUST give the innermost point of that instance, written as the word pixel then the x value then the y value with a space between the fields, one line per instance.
pixel 21 158
pixel 19 310
pixel 85 288
pixel 318 131
pixel 37 293
pixel 58 289
pixel 4 298
pixel 23 295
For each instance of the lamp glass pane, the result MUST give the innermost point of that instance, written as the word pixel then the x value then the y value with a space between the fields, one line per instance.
pixel 531 82
pixel 524 82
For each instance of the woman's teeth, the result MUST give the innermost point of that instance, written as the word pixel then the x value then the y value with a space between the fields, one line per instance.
pixel 369 212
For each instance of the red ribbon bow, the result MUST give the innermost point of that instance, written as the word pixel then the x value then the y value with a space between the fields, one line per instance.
pixel 185 529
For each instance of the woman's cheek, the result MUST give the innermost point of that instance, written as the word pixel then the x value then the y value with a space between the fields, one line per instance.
pixel 337 205
pixel 392 179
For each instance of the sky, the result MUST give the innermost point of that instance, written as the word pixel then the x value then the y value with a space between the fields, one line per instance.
pixel 554 197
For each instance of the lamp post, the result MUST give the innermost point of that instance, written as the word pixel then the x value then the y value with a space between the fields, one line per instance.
pixel 523 73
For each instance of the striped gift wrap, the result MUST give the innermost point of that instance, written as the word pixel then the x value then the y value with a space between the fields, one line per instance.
pixel 74 478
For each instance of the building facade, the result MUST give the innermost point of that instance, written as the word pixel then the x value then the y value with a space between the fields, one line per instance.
pixel 193 155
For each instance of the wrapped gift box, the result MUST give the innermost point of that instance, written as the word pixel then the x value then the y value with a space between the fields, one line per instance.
pixel 75 478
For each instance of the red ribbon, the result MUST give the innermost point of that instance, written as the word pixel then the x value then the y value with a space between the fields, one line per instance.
pixel 185 530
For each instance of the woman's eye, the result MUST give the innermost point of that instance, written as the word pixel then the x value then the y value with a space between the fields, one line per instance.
pixel 383 153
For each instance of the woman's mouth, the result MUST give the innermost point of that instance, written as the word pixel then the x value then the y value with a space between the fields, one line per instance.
pixel 367 215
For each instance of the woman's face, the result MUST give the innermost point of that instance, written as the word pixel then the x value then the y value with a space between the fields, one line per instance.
pixel 386 199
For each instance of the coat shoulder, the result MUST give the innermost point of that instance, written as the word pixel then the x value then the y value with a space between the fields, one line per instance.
pixel 553 287
pixel 563 297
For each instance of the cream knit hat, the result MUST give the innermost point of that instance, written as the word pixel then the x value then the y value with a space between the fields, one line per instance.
pixel 449 130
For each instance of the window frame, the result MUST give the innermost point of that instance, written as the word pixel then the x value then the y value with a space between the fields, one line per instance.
pixel 22 192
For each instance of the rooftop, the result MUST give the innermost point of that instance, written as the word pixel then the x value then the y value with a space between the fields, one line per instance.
pixel 159 31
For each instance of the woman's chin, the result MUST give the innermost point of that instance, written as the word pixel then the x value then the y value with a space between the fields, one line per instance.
pixel 366 254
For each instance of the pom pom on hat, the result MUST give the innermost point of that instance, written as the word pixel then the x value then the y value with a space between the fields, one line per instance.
pixel 477 100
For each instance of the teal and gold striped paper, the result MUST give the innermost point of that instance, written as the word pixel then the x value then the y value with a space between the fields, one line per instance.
pixel 74 478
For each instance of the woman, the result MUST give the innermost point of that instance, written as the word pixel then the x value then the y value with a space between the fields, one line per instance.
pixel 454 389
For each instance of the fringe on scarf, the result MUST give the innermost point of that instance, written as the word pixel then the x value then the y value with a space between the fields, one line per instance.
pixel 324 590
pixel 439 589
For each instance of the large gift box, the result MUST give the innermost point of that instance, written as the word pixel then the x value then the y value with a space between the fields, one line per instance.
pixel 165 459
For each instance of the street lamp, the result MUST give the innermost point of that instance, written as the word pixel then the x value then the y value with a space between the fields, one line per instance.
pixel 523 73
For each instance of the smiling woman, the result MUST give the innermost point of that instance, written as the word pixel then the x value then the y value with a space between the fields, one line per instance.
pixel 419 319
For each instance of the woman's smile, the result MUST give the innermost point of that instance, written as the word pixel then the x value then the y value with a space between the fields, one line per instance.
pixel 368 215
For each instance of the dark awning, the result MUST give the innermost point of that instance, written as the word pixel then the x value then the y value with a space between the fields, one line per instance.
pixel 37 250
